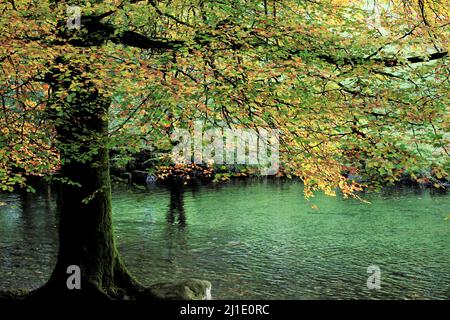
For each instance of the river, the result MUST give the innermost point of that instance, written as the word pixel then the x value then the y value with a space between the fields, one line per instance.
pixel 254 240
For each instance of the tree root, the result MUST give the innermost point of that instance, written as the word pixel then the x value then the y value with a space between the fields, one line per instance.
pixel 118 285
pixel 192 289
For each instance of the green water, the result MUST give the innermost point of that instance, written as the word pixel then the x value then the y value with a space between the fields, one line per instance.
pixel 254 240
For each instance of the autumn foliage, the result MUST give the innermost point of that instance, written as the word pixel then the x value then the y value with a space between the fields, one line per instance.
pixel 356 88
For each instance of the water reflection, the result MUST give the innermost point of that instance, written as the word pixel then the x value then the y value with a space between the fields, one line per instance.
pixel 435 192
pixel 175 230
pixel 28 239
pixel 252 240
pixel 176 214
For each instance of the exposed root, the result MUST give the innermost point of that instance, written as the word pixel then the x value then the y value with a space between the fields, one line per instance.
pixel 119 285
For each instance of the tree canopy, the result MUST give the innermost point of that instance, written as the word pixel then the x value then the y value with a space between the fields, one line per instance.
pixel 353 87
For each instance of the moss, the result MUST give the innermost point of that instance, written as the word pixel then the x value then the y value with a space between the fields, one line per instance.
pixel 15 294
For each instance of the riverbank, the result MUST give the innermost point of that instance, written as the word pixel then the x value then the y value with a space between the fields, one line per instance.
pixel 142 169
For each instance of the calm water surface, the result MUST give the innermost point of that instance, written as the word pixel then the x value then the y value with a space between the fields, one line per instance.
pixel 254 240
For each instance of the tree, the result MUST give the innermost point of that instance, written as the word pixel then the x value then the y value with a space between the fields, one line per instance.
pixel 349 94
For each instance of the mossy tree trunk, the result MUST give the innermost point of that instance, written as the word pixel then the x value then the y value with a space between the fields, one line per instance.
pixel 86 237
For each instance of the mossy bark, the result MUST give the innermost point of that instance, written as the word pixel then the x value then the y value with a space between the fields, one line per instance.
pixel 86 237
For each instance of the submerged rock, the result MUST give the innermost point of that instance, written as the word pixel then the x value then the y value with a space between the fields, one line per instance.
pixel 192 289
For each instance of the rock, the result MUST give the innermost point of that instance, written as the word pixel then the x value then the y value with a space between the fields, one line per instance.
pixel 13 295
pixel 142 177
pixel 150 179
pixel 192 289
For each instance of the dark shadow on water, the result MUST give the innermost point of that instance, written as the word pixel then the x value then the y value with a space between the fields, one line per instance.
pixel 175 230
pixel 176 214
pixel 438 192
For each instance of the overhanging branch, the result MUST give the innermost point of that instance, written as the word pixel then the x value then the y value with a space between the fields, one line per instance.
pixel 97 33
pixel 387 62
pixel 395 62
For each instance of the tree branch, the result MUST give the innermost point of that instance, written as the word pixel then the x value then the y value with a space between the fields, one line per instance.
pixel 99 32
pixel 417 59
pixel 387 62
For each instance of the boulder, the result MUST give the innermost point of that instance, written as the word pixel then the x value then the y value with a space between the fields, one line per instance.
pixel 142 177
pixel 191 289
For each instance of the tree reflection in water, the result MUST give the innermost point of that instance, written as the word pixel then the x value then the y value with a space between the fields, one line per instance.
pixel 176 214
pixel 175 234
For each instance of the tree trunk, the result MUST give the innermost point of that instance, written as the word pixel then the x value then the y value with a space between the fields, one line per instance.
pixel 86 237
